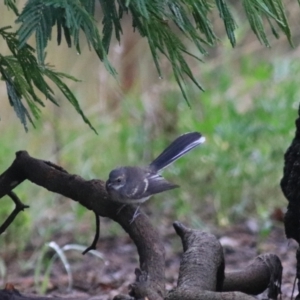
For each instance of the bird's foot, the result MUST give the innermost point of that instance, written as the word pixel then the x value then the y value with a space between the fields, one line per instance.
pixel 135 215
pixel 119 210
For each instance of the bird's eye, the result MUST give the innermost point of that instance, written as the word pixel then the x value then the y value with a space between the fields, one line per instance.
pixel 118 180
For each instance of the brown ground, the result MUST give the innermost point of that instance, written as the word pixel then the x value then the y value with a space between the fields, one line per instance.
pixel 103 279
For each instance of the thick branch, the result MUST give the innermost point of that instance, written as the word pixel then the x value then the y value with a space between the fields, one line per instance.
pixel 92 194
pixel 201 271
pixel 264 271
pixel 202 264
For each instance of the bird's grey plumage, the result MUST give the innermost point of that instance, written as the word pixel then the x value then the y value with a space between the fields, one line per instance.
pixel 136 185
pixel 150 183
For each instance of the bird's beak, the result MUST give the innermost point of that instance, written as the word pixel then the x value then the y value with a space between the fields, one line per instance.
pixel 108 184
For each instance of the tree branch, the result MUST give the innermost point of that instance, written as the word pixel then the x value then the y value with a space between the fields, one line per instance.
pixel 92 195
pixel 201 273
pixel 19 207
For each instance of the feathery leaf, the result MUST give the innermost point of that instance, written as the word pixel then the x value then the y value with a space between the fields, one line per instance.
pixel 39 16
pixel 56 78
pixel 11 5
pixel 23 75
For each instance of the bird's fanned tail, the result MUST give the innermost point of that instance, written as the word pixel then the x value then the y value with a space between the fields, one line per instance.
pixel 176 149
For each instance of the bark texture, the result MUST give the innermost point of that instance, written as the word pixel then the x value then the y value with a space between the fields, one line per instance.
pixel 290 185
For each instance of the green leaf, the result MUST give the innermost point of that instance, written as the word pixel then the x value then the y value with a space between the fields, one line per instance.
pixel 89 6
pixel 277 9
pixel 14 98
pixel 229 22
pixel 55 77
pixel 73 16
pixel 36 17
pixel 11 5
pixel 111 20
pixel 255 20
pixel 23 75
pixel 166 24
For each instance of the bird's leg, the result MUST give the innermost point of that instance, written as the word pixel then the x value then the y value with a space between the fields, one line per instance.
pixel 135 215
pixel 119 210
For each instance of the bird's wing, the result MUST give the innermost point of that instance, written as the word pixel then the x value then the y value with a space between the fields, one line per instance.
pixel 149 183
pixel 157 184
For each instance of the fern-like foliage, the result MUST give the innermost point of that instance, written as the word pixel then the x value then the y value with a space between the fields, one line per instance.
pixel 154 19
pixel 229 23
pixel 273 11
pixel 11 4
pixel 166 24
pixel 70 16
pixel 23 75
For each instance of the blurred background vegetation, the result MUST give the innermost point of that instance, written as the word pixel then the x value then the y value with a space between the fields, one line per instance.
pixel 247 114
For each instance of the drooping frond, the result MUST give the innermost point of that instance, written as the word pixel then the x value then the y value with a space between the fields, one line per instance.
pixel 273 11
pixel 166 24
pixel 154 19
pixel 56 77
pixel 155 26
pixel 229 23
pixel 277 10
pixel 71 16
pixel 11 4
pixel 111 22
pixel 23 75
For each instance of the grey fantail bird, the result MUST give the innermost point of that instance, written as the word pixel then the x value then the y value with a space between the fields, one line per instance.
pixel 135 185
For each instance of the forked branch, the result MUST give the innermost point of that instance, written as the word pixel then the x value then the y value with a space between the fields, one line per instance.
pixel 19 207
pixel 201 274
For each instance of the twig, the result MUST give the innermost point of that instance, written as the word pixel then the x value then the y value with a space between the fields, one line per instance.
pixel 19 207
pixel 96 238
pixel 54 166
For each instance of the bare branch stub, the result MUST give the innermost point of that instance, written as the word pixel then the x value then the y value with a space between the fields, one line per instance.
pixel 201 272
pixel 202 263
pixel 263 272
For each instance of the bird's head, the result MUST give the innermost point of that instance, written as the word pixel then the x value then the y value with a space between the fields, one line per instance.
pixel 116 179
